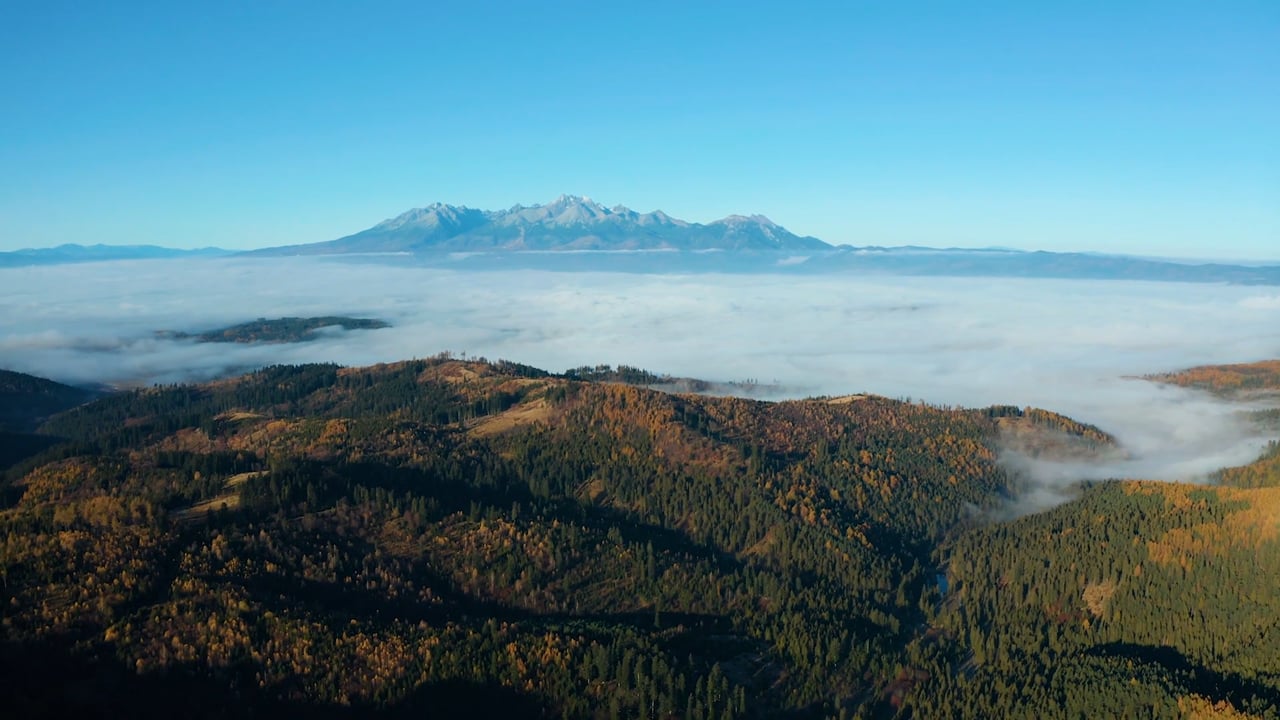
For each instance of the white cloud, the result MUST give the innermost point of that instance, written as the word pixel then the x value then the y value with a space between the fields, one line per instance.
pixel 1261 302
pixel 1063 345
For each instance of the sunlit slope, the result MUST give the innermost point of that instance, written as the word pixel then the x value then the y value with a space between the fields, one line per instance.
pixel 1263 472
pixel 1227 379
pixel 1258 380
pixel 1141 598
pixel 428 532
pixel 448 536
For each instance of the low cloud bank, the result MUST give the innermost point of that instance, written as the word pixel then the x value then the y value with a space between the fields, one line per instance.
pixel 1069 346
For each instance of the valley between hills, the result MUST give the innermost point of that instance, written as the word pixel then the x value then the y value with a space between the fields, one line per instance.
pixel 449 536
pixel 621 361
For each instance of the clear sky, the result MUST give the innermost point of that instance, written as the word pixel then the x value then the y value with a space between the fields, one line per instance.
pixel 1135 127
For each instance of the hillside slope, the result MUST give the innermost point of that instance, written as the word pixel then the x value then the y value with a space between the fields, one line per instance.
pixel 446 536
pixel 25 402
pixel 1140 599
pixel 369 533
pixel 1233 380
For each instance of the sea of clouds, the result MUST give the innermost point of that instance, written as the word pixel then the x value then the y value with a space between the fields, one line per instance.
pixel 1070 346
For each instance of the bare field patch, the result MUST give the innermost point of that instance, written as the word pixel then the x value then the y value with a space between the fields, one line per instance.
pixel 845 399
pixel 527 413
pixel 225 501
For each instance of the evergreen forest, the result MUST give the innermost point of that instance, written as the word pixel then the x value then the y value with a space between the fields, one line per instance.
pixel 448 537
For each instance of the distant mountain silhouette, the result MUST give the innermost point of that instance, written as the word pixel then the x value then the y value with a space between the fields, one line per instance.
pixel 73 253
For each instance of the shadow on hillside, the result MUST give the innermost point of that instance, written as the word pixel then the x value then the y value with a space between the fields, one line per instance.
pixel 1200 680
pixel 49 680
pixel 496 495
pixel 18 446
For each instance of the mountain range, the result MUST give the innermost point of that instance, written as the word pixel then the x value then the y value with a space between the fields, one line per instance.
pixel 570 222
pixel 575 233
pixel 76 253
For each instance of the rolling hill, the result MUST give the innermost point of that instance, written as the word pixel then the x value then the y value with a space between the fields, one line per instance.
pixel 26 401
pixel 441 536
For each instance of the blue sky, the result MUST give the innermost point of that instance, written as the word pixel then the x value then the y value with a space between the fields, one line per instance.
pixel 1135 127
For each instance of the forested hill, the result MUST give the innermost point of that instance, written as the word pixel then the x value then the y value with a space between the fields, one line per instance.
pixel 1242 381
pixel 279 330
pixel 1230 380
pixel 1141 599
pixel 369 536
pixel 27 400
pixel 467 537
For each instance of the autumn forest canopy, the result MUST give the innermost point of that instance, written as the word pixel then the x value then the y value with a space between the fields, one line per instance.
pixel 449 536
pixel 685 361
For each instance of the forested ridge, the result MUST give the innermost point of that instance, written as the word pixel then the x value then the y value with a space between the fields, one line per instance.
pixel 456 537
pixel 279 330
pixel 1227 379
pixel 1242 380
pixel 26 400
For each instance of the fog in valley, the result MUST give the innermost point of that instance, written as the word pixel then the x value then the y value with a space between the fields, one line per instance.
pixel 1074 347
